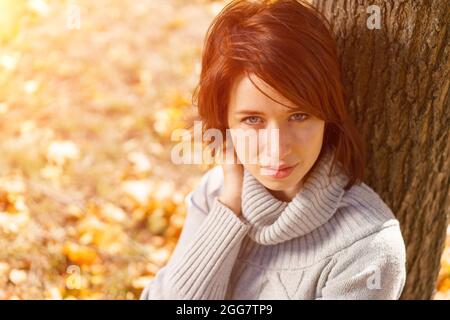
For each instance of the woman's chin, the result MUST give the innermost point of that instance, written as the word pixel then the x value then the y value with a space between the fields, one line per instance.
pixel 278 184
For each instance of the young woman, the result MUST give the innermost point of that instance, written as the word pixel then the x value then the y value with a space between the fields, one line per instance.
pixel 308 227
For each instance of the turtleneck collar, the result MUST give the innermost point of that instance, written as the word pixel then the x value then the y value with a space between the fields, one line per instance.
pixel 273 221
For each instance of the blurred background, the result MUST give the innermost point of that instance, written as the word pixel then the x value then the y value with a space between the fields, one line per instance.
pixel 90 92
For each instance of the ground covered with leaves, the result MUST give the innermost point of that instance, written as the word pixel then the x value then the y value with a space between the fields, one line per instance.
pixel 90 204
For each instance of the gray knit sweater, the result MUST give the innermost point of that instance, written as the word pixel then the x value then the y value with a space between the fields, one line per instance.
pixel 327 243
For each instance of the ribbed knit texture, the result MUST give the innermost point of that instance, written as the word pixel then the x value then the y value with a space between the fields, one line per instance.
pixel 327 243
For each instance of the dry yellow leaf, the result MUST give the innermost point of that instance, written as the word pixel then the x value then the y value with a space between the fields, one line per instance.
pixel 18 276
pixel 139 190
pixel 157 222
pixel 141 282
pixel 59 152
pixel 78 254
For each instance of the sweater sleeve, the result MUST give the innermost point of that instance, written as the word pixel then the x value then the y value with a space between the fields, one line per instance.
pixel 371 268
pixel 201 263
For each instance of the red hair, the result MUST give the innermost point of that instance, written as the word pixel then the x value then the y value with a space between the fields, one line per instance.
pixel 288 44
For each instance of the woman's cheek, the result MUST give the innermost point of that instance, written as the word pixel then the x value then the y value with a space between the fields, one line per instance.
pixel 310 135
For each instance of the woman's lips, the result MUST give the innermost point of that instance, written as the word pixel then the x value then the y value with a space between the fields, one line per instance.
pixel 278 173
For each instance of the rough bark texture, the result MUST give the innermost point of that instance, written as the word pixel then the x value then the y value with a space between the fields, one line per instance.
pixel 397 82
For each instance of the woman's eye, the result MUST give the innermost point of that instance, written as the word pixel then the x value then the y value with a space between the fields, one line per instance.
pixel 252 120
pixel 299 116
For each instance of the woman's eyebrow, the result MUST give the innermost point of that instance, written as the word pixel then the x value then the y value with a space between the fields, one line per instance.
pixel 249 112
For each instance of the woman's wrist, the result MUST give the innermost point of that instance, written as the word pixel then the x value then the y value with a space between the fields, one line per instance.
pixel 232 201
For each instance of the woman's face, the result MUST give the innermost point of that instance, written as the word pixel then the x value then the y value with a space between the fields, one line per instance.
pixel 292 139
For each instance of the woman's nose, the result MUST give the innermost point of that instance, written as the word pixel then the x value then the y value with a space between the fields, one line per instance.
pixel 278 143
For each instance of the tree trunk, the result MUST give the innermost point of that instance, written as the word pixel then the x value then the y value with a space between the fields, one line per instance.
pixel 397 83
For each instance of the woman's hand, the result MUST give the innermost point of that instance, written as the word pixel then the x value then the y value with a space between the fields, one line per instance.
pixel 233 178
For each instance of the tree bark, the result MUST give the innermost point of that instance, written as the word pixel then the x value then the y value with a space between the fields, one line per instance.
pixel 397 83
